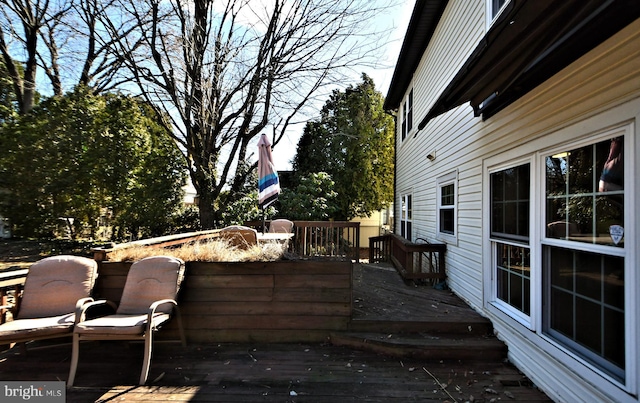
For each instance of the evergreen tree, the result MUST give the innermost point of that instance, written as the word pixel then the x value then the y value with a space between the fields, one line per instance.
pixel 353 142
pixel 80 157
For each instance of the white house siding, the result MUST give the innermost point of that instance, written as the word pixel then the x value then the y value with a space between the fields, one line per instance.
pixel 600 90
pixel 461 27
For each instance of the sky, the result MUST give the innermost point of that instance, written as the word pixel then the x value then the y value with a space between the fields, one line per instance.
pixel 396 20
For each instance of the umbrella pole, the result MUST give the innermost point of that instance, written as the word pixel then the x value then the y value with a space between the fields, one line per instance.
pixel 264 221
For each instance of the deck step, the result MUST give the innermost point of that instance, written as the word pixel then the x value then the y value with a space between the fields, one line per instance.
pixel 463 347
pixel 479 327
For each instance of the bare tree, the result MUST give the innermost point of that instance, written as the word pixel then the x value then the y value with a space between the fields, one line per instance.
pixel 99 58
pixel 57 36
pixel 222 72
pixel 20 27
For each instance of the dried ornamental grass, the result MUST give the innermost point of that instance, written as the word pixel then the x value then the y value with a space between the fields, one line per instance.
pixel 217 250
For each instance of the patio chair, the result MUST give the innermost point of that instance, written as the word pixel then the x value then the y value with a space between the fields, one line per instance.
pixel 281 225
pixel 55 290
pixel 148 301
pixel 240 236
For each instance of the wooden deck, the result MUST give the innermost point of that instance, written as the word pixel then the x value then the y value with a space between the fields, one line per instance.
pixel 389 317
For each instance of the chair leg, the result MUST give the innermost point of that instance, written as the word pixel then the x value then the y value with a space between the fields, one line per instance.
pixel 146 363
pixel 75 352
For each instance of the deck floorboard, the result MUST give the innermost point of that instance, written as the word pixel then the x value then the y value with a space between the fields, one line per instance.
pixel 286 372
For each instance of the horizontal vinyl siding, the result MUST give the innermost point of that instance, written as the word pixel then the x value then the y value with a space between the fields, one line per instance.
pixel 600 90
pixel 606 79
pixel 461 28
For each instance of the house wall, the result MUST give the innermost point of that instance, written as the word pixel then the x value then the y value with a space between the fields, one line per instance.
pixel 599 91
pixel 369 227
pixel 461 27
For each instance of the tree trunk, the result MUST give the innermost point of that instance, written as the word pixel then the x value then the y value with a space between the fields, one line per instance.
pixel 205 207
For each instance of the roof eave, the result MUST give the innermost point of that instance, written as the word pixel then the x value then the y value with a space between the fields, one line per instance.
pixel 424 20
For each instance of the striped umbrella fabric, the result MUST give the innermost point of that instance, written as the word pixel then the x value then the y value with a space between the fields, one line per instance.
pixel 268 182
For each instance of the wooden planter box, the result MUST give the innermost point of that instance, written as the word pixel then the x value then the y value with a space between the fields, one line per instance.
pixel 282 301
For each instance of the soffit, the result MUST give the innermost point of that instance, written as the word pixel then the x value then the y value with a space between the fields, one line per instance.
pixel 528 43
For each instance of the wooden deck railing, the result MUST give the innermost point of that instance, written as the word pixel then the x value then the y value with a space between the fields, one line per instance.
pixel 414 261
pixel 322 238
pixel 329 239
pixel 10 280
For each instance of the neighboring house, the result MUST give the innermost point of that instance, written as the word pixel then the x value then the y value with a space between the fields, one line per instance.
pixel 376 224
pixel 517 146
pixel 5 228
pixel 190 194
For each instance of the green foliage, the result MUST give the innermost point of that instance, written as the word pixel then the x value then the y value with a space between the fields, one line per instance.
pixel 354 143
pixel 84 157
pixel 187 220
pixel 242 206
pixel 312 200
pixel 8 102
pixel 245 209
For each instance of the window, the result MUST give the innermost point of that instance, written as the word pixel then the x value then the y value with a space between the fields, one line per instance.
pixel 494 7
pixel 585 193
pixel 560 262
pixel 407 115
pixel 509 194
pixel 410 112
pixel 405 216
pixel 583 252
pixel 404 120
pixel 446 207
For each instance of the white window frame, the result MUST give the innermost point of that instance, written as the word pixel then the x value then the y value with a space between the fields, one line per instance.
pixel 410 111
pixel 631 351
pixel 589 131
pixel 408 218
pixel 525 320
pixel 403 123
pixel 406 116
pixel 491 13
pixel 442 181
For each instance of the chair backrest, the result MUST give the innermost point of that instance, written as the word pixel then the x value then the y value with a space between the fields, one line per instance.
pixel 55 284
pixel 281 225
pixel 151 279
pixel 240 236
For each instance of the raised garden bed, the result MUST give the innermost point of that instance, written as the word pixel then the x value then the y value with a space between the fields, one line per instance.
pixel 277 301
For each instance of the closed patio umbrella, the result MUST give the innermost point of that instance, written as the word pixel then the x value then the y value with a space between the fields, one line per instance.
pixel 268 182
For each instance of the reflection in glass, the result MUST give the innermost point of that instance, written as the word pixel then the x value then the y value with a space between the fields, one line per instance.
pixel 513 276
pixel 585 193
pixel 585 303
pixel 612 176
pixel 447 201
pixel 447 221
pixel 510 203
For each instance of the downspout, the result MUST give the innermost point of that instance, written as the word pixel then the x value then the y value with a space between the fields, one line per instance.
pixel 394 114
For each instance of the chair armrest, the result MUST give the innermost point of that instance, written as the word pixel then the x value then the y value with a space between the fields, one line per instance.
pixel 85 303
pixel 155 305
